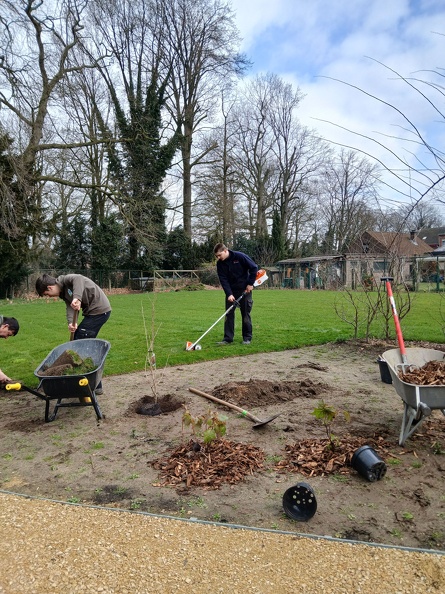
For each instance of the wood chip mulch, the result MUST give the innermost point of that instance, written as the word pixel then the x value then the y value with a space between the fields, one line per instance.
pixel 430 374
pixel 209 465
pixel 312 457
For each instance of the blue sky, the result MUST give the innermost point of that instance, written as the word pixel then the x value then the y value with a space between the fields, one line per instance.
pixel 310 42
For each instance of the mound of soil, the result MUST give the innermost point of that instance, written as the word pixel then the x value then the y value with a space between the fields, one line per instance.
pixel 256 392
pixel 68 363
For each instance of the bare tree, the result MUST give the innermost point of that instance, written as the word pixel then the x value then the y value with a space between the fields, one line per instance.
pixel 305 226
pixel 86 103
pixel 216 205
pixel 200 42
pixel 299 155
pixel 418 172
pixel 136 78
pixel 349 186
pixel 256 164
pixel 30 83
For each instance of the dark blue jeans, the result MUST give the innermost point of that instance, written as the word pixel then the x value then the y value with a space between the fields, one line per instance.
pixel 245 305
pixel 89 328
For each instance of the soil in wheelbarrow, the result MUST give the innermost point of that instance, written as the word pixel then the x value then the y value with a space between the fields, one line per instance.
pixel 150 454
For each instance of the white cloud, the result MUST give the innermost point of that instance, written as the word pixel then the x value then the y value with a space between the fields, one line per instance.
pixel 311 42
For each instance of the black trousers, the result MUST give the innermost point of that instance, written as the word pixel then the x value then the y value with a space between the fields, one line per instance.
pixel 89 328
pixel 245 306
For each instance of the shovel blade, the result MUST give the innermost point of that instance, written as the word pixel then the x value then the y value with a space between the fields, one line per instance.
pixel 260 423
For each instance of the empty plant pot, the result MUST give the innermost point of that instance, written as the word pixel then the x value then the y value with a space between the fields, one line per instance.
pixel 368 463
pixel 299 502
pixel 385 375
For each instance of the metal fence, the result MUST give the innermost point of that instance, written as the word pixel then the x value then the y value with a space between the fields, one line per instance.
pixel 135 280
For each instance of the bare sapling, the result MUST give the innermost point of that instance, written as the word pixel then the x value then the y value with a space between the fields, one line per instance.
pixel 150 357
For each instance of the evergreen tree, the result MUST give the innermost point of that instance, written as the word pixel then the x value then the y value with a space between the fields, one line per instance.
pixel 109 245
pixel 13 237
pixel 72 251
pixel 278 241
pixel 138 171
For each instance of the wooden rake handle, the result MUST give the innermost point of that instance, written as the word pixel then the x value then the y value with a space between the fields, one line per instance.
pixel 76 315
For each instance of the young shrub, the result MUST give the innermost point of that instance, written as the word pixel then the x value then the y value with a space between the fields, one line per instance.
pixel 326 414
pixel 208 427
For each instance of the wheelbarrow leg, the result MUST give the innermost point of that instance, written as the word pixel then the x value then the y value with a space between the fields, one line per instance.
pixel 49 418
pixel 409 415
pixel 95 403
pixel 91 400
pixel 412 419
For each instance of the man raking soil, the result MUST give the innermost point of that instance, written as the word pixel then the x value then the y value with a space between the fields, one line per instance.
pixel 261 277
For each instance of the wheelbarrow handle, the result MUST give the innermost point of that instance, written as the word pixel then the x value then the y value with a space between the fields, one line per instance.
pixel 18 386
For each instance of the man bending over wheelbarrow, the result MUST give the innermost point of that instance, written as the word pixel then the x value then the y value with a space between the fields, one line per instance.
pixel 78 291
pixel 8 327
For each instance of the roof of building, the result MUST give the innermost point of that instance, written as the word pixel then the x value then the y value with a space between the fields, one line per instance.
pixel 431 236
pixel 309 259
pixel 403 244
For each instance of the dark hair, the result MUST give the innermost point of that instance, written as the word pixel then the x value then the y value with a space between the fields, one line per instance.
pixel 219 247
pixel 43 282
pixel 12 324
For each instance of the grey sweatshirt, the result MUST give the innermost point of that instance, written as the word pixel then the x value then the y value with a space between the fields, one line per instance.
pixel 76 286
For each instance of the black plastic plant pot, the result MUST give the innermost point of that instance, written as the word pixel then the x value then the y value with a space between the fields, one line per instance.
pixel 385 375
pixel 299 502
pixel 368 463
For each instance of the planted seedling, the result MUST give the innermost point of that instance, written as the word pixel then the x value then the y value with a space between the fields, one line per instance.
pixel 326 414
pixel 437 448
pixel 208 427
pixel 150 357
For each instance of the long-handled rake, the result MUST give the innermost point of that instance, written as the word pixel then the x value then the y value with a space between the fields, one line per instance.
pixel 261 277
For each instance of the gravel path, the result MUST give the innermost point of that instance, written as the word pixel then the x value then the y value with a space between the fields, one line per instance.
pixel 54 548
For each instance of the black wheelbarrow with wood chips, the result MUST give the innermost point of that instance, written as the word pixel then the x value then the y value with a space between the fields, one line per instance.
pixel 70 390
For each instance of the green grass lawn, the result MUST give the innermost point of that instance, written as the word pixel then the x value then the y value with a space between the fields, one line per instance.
pixel 282 319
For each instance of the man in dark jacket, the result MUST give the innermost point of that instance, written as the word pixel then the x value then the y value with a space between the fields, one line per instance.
pixel 237 274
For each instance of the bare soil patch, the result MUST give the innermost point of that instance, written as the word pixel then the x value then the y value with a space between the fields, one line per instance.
pixel 141 457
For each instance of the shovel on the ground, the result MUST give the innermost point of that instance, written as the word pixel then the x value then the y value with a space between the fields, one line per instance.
pixel 258 422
